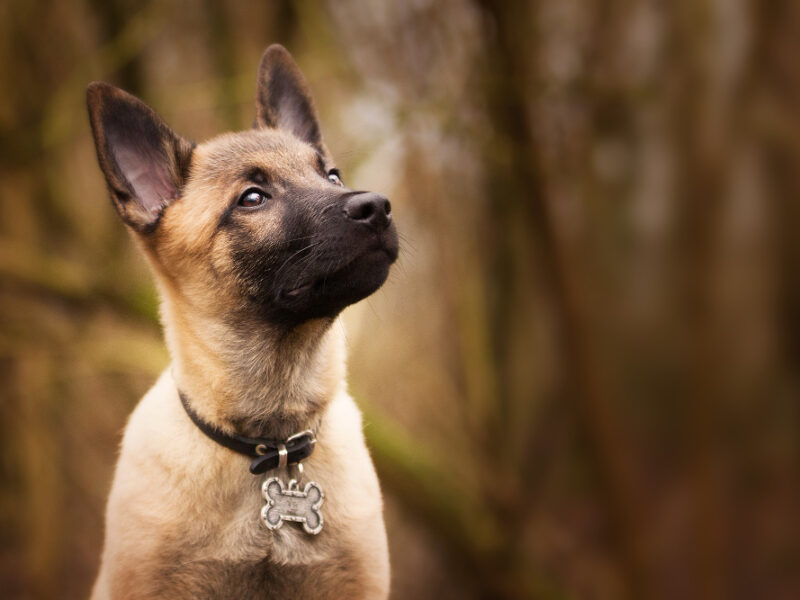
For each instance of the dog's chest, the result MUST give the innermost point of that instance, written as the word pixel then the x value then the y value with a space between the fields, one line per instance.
pixel 259 563
pixel 262 579
pixel 207 539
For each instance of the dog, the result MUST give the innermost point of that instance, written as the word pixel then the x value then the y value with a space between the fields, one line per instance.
pixel 256 246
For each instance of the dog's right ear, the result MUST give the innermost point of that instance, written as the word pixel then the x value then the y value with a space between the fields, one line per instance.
pixel 144 161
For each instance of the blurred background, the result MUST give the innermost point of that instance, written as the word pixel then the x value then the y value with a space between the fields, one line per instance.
pixel 582 378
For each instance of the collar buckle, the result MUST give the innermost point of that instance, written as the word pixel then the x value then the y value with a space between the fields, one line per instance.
pixel 268 454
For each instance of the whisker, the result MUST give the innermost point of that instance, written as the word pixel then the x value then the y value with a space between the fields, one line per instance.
pixel 406 244
pixel 286 262
pixel 297 239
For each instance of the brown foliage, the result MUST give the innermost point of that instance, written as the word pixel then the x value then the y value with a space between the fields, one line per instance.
pixel 582 379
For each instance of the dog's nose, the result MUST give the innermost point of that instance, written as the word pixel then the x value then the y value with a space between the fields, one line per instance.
pixel 369 208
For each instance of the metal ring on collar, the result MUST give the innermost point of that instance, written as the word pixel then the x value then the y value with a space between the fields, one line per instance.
pixel 282 456
pixel 299 468
pixel 299 434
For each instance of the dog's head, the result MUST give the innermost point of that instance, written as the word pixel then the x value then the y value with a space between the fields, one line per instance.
pixel 257 221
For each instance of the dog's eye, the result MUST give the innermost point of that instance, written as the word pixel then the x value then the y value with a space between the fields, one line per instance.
pixel 252 198
pixel 333 177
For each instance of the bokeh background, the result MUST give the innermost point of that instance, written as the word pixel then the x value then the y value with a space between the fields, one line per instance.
pixel 582 378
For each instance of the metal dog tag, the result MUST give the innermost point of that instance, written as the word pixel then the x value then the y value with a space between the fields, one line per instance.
pixel 288 503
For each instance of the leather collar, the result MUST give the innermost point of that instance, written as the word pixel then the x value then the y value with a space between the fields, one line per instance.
pixel 267 453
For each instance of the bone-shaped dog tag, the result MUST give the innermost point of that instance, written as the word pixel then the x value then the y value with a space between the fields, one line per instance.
pixel 292 504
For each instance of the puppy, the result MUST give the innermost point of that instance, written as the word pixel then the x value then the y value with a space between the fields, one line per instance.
pixel 243 472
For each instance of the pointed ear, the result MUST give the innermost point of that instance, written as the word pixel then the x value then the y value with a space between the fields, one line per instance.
pixel 283 100
pixel 144 161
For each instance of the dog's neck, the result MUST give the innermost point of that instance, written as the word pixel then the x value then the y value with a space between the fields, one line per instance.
pixel 253 380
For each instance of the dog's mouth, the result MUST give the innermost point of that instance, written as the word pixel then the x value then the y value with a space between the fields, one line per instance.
pixel 375 255
pixel 328 293
pixel 298 291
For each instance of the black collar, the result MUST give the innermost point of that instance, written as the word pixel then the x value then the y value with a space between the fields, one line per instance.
pixel 268 454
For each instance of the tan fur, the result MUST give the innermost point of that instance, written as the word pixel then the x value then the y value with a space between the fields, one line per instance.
pixel 178 496
pixel 183 512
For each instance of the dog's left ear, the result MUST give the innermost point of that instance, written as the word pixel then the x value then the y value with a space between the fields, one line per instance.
pixel 283 100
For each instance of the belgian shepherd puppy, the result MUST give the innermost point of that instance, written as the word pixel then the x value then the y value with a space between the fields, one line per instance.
pixel 256 246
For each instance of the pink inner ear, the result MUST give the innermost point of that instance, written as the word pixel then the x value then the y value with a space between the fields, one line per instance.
pixel 148 174
pixel 293 117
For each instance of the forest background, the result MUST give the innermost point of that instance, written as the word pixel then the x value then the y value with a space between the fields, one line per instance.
pixel 582 378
